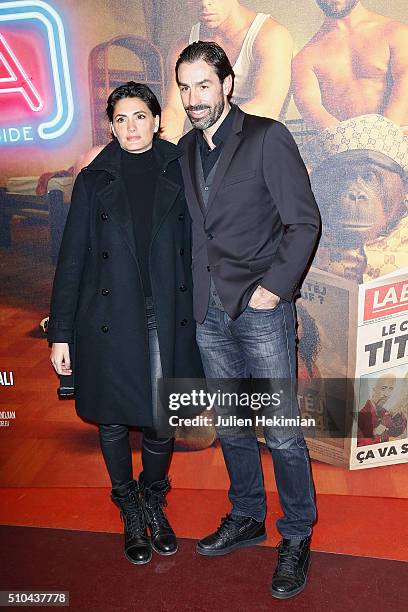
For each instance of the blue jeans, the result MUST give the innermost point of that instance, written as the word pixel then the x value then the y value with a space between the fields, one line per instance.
pixel 261 344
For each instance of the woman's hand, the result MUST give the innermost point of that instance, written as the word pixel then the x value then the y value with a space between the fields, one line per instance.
pixel 60 358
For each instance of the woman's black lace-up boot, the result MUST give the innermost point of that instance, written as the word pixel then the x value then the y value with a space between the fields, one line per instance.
pixel 137 543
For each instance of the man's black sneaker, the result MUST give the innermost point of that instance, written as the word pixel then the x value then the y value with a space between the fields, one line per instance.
pixel 290 575
pixel 233 533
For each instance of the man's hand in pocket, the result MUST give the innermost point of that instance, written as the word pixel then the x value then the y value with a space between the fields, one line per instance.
pixel 262 299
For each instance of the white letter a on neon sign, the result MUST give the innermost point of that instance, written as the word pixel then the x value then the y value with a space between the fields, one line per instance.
pixel 17 81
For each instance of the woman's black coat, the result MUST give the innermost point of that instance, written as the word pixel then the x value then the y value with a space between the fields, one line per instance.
pixel 97 298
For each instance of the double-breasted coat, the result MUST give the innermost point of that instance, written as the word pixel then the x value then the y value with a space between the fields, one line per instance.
pixel 97 299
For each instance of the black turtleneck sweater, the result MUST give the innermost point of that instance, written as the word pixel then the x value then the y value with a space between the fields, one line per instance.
pixel 139 173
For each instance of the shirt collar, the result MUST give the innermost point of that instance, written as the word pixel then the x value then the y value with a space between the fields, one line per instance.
pixel 221 134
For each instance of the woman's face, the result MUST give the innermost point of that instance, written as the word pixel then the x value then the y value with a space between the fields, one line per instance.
pixel 134 125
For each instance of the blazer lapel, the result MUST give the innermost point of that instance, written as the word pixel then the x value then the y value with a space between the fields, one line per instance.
pixel 227 154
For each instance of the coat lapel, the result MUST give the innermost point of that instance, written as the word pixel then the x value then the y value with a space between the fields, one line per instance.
pixel 114 198
pixel 166 191
pixel 188 164
pixel 165 195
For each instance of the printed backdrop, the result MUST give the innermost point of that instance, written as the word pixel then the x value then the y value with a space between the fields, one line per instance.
pixel 344 96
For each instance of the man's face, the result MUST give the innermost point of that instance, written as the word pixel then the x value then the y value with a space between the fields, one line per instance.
pixel 382 391
pixel 202 94
pixel 337 8
pixel 212 13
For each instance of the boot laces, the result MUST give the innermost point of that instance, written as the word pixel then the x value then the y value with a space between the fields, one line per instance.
pixel 288 559
pixel 157 514
pixel 133 517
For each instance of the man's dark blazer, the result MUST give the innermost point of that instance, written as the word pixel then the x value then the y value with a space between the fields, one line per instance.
pixel 262 221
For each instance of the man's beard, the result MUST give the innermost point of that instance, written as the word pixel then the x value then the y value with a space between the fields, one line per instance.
pixel 203 123
pixel 329 11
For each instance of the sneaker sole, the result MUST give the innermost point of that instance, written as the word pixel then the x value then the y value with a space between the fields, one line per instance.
pixel 225 551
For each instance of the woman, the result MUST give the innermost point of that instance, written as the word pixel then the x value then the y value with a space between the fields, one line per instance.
pixel 122 297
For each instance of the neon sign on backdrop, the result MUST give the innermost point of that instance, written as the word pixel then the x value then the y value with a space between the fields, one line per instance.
pixel 17 81
pixel 36 98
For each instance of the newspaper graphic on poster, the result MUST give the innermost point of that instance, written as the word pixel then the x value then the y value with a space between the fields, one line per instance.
pixel 353 368
pixel 380 427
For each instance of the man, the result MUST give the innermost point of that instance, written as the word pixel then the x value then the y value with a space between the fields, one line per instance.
pixel 255 224
pixel 375 423
pixel 357 63
pixel 259 48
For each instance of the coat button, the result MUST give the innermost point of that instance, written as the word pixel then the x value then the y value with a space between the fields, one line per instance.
pixel 105 254
pixel 183 287
pixel 210 236
pixel 183 322
pixel 104 216
pixel 105 292
pixel 181 217
pixel 89 249
pixel 181 251
pixel 105 329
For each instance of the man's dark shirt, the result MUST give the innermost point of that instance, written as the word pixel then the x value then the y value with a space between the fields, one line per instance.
pixel 210 156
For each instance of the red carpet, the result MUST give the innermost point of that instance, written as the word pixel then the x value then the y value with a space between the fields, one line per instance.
pixel 361 526
pixel 92 568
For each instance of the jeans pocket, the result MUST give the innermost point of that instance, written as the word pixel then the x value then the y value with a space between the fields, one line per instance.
pixel 252 309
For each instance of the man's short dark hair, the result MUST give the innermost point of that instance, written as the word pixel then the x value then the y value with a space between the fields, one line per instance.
pixel 212 54
pixel 133 90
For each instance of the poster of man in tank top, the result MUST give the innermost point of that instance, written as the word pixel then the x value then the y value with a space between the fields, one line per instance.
pixel 260 50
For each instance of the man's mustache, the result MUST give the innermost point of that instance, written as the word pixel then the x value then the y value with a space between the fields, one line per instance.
pixel 199 107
